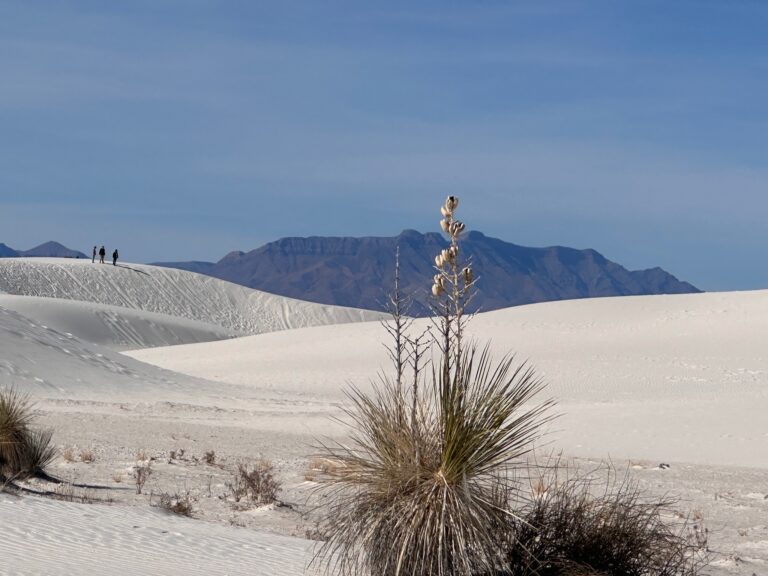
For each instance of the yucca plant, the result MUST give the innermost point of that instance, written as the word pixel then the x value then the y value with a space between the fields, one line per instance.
pixel 15 417
pixel 424 485
pixel 37 453
pixel 23 450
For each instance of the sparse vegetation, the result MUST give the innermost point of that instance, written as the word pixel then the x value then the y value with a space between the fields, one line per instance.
pixel 68 454
pixel 210 458
pixel 141 473
pixel 176 504
pixel 257 484
pixel 581 525
pixel 87 455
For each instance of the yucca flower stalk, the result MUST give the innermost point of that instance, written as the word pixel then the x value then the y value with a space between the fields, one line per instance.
pixel 452 289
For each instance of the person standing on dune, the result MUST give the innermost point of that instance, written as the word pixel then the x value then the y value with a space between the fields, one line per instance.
pixel 114 257
pixel 102 253
pixel 93 258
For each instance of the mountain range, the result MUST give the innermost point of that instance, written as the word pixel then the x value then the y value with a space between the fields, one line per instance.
pixel 46 250
pixel 359 272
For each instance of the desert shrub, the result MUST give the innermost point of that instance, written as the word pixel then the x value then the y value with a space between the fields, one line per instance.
pixel 68 454
pixel 210 458
pixel 24 451
pixel 257 484
pixel 424 484
pixel 606 527
pixel 87 455
pixel 176 504
pixel 141 473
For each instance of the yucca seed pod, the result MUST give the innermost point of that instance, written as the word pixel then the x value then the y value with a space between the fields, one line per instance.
pixel 445 225
pixel 456 228
pixel 437 290
pixel 447 255
pixel 439 260
pixel 468 275
pixel 454 251
pixel 445 212
pixel 451 203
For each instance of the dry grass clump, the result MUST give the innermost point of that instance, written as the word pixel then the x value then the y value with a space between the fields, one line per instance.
pixel 176 504
pixel 258 484
pixel 68 454
pixel 604 527
pixel 87 455
pixel 24 451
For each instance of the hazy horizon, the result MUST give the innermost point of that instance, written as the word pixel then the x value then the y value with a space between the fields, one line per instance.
pixel 180 130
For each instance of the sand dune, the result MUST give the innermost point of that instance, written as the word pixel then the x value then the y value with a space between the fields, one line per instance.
pixel 167 291
pixel 115 327
pixel 682 377
pixel 52 364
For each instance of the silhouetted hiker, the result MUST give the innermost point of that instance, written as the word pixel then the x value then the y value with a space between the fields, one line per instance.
pixel 102 253
pixel 114 257
pixel 94 255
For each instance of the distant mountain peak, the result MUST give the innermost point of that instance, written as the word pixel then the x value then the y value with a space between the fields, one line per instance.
pixel 358 271
pixel 50 249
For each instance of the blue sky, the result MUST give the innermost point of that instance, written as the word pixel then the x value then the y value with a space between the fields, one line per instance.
pixel 180 130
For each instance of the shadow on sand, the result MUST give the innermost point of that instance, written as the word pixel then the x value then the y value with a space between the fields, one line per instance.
pixel 132 269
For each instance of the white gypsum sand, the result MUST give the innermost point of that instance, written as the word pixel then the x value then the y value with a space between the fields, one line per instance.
pixel 168 291
pixel 115 327
pixel 678 379
pixel 681 378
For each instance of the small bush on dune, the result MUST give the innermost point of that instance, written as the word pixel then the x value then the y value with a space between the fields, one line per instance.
pixel 24 451
pixel 579 526
pixel 176 504
pixel 257 484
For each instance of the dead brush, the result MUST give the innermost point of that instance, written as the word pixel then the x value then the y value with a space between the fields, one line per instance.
pixel 88 456
pixel 176 504
pixel 603 525
pixel 257 484
pixel 141 473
